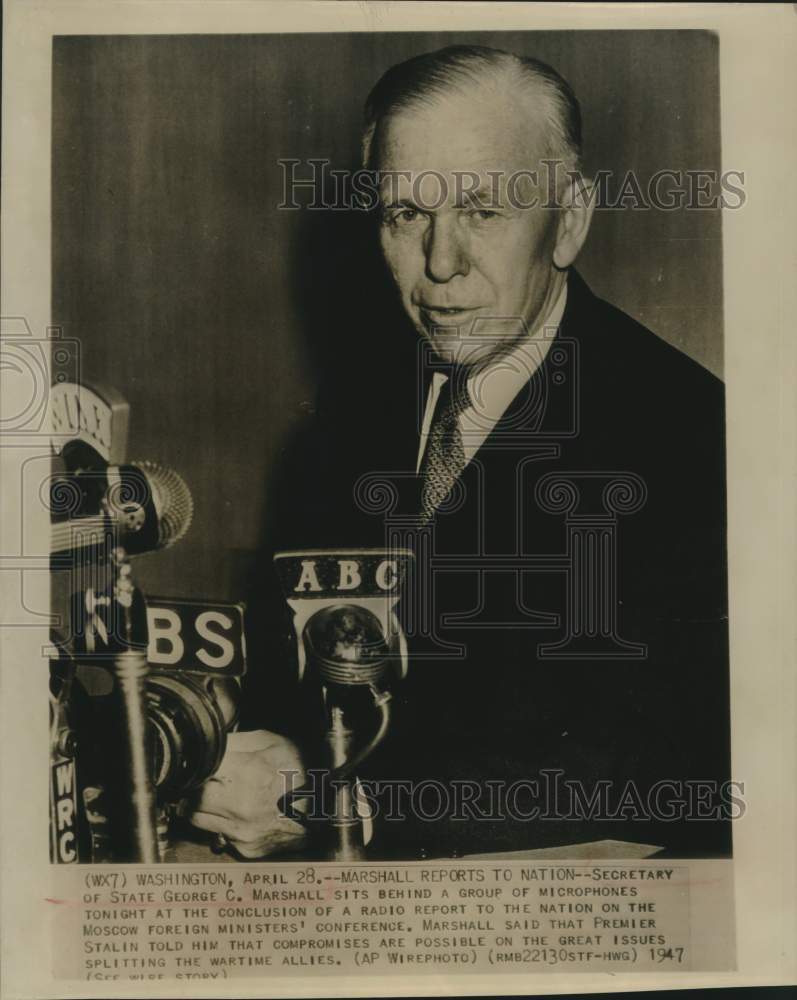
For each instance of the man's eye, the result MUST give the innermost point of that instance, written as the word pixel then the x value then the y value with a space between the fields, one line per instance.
pixel 405 216
pixel 484 213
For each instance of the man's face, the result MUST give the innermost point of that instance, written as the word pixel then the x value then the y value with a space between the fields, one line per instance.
pixel 471 268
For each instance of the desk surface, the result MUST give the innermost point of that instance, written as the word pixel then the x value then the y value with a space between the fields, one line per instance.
pixel 200 853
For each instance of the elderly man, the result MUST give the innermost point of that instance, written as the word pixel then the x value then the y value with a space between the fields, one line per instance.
pixel 601 671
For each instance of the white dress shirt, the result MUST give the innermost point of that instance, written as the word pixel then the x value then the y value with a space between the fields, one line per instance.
pixel 493 388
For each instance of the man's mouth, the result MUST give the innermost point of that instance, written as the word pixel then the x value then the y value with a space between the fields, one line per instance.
pixel 441 314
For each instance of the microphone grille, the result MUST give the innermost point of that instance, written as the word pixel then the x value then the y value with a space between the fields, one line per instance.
pixel 173 502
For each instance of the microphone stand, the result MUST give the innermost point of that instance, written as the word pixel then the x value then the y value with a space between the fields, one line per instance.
pixel 130 670
pixel 345 823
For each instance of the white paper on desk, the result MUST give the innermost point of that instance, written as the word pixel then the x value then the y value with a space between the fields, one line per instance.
pixel 600 850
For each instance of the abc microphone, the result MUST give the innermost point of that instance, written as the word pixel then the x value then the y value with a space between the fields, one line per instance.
pixel 148 506
pixel 346 646
pixel 350 643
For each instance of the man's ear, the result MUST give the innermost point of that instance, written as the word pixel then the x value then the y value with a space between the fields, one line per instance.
pixel 577 206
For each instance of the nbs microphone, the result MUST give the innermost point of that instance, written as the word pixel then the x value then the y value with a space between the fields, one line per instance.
pixel 125 740
pixel 350 646
pixel 124 510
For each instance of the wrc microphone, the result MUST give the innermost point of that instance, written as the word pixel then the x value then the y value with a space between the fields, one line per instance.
pixel 147 506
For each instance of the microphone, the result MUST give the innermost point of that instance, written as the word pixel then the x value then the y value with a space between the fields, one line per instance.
pixel 146 505
pixel 349 652
pixel 346 644
pixel 350 641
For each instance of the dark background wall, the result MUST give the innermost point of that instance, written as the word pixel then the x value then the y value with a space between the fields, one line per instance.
pixel 215 314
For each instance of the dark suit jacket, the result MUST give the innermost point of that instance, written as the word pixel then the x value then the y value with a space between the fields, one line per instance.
pixel 644 697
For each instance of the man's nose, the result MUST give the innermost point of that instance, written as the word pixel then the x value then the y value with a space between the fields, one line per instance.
pixel 445 254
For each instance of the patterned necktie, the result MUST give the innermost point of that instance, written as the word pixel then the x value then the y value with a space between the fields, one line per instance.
pixel 444 457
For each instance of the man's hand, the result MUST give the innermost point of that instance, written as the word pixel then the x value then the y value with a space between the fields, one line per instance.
pixel 240 800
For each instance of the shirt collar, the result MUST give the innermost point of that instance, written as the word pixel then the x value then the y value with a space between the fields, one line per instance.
pixel 493 388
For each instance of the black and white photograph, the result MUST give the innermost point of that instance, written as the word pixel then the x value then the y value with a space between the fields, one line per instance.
pixel 476 327
pixel 388 472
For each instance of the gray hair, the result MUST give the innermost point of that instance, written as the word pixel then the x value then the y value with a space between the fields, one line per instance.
pixel 425 77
